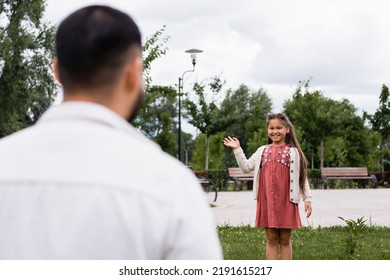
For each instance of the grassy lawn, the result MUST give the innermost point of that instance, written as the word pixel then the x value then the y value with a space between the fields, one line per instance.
pixel 330 243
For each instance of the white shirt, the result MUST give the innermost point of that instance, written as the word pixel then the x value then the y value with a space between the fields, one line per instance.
pixel 84 184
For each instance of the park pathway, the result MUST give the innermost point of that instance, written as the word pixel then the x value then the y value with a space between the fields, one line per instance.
pixel 239 208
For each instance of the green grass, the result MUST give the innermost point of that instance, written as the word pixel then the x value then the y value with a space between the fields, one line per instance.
pixel 330 243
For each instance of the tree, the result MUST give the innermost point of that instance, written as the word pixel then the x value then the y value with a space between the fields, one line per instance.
pixel 380 122
pixel 203 113
pixel 216 152
pixel 188 142
pixel 243 115
pixel 308 117
pixel 321 121
pixel 356 135
pixel 336 151
pixel 27 87
pixel 156 118
pixel 375 153
pixel 154 48
pixel 259 106
pixel 314 115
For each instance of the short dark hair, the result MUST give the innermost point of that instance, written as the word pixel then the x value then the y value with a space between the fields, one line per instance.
pixel 93 44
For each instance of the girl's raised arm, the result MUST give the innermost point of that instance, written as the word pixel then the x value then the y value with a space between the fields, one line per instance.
pixel 231 142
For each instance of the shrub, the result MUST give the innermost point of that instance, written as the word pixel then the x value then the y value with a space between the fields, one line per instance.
pixel 219 177
pixel 355 231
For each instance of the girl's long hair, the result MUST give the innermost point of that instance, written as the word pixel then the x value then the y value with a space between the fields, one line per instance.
pixel 291 139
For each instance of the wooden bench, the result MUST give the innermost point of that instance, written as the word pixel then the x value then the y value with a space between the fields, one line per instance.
pixel 239 177
pixel 205 182
pixel 346 173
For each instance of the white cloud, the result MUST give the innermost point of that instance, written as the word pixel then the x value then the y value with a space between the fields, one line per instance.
pixel 343 45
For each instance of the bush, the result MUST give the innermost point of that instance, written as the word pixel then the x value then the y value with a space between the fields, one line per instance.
pixel 314 173
pixel 315 179
pixel 383 178
pixel 219 177
pixel 355 233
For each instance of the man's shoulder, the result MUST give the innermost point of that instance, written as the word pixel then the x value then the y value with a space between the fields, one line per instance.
pixel 15 138
pixel 147 158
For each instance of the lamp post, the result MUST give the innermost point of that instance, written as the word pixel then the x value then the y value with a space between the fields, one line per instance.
pixel 193 53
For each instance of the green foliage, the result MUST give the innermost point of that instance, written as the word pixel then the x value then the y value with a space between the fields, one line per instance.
pixel 187 142
pixel 27 87
pixel 244 113
pixel 313 114
pixel 219 177
pixel 198 155
pixel 375 155
pixel 248 243
pixel 314 173
pixel 380 122
pixel 333 124
pixel 154 48
pixel 156 118
pixel 204 113
pixel 355 232
pixel 315 179
pixel 216 152
pixel 336 151
pixel 258 139
pixel 355 135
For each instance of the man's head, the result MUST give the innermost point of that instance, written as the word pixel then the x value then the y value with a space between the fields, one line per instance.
pixel 99 58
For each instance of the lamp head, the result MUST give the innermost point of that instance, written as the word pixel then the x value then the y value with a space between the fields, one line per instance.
pixel 193 53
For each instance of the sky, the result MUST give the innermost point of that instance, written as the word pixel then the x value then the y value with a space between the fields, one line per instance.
pixel 342 46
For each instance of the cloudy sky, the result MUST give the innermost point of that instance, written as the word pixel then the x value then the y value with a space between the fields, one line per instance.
pixel 343 46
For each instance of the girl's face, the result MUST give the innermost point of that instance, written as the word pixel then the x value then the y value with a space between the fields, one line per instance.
pixel 277 131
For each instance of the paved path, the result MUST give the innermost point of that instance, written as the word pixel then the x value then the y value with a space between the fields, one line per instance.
pixel 239 208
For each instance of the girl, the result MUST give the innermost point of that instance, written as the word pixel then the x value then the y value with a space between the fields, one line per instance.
pixel 280 181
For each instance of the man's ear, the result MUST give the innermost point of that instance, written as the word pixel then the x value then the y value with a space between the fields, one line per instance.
pixel 56 70
pixel 134 75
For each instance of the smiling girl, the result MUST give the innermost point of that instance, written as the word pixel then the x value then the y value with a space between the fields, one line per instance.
pixel 280 181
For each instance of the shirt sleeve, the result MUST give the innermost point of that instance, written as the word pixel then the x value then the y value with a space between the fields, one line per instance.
pixel 246 165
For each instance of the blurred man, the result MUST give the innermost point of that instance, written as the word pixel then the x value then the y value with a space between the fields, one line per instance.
pixel 83 183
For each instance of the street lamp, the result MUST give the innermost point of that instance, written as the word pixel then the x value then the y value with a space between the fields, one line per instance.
pixel 193 53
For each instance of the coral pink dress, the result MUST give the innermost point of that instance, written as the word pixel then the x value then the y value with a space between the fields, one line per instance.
pixel 274 208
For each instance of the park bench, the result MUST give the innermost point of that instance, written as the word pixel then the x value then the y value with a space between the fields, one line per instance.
pixel 346 173
pixel 207 184
pixel 239 177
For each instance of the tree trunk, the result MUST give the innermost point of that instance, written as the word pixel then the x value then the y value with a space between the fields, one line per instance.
pixel 322 153
pixel 312 159
pixel 206 164
pixel 383 161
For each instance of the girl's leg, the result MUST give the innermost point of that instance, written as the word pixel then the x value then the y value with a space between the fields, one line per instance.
pixel 285 244
pixel 271 251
